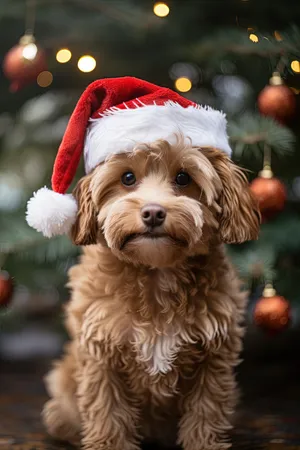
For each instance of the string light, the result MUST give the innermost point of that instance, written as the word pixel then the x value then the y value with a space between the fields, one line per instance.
pixel 29 51
pixel 295 65
pixel 86 63
pixel 297 92
pixel 44 79
pixel 63 55
pixel 183 84
pixel 253 37
pixel 278 36
pixel 161 9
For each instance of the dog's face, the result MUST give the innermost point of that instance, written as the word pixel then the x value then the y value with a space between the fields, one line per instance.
pixel 163 203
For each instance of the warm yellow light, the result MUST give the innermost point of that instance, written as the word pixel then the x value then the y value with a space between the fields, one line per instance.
pixel 29 51
pixel 295 65
pixel 278 36
pixel 161 9
pixel 44 79
pixel 253 37
pixel 86 63
pixel 63 55
pixel 295 90
pixel 183 84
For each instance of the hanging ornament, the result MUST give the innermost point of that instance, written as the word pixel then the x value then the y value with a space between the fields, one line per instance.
pixel 272 312
pixel 277 100
pixel 269 191
pixel 6 288
pixel 24 62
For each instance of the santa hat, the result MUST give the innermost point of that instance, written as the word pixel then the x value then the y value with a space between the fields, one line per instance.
pixel 112 116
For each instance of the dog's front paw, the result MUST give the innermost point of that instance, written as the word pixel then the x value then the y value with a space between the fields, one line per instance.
pixel 210 446
pixel 57 424
pixel 87 445
pixel 96 446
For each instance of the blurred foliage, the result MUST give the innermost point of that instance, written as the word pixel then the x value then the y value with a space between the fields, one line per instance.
pixel 251 132
pixel 284 44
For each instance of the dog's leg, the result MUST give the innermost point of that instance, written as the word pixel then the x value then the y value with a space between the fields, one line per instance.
pixel 209 404
pixel 60 414
pixel 109 415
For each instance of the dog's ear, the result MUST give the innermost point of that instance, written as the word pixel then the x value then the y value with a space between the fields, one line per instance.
pixel 84 230
pixel 240 216
pixel 239 219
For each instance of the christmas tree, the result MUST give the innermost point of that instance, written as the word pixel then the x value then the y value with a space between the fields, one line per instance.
pixel 221 54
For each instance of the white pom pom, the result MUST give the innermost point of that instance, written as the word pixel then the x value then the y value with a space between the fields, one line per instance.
pixel 51 213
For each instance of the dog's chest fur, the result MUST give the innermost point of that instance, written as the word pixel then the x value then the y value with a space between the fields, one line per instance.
pixel 158 342
pixel 158 350
pixel 162 319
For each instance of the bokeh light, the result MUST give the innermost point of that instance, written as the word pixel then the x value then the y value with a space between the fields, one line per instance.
pixel 44 79
pixel 186 70
pixel 295 90
pixel 227 67
pixel 295 65
pixel 63 55
pixel 183 84
pixel 278 36
pixel 161 9
pixel 253 37
pixel 86 63
pixel 296 186
pixel 233 92
pixel 29 51
pixel 11 191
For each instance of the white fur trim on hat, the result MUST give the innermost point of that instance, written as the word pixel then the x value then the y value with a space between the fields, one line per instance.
pixel 51 213
pixel 120 130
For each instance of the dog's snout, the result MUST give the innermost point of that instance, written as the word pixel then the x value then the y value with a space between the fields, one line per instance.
pixel 153 215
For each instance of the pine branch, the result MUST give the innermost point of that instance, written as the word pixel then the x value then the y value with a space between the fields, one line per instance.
pixel 254 131
pixel 39 249
pixel 254 261
pixel 133 16
pixel 238 42
pixel 109 10
pixel 257 260
pixel 252 138
pixel 18 247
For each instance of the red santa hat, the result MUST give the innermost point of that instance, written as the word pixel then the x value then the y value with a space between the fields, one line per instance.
pixel 112 116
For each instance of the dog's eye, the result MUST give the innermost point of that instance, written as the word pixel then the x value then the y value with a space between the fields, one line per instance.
pixel 182 179
pixel 128 178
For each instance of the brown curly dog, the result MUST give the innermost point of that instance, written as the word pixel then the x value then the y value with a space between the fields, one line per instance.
pixel 156 308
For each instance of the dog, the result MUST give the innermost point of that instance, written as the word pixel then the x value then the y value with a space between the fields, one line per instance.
pixel 156 311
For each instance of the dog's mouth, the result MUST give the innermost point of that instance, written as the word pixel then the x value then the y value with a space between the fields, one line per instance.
pixel 152 236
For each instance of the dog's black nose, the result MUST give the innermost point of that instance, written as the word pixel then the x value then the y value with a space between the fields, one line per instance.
pixel 153 215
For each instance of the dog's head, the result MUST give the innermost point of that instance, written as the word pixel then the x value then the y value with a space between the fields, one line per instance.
pixel 162 203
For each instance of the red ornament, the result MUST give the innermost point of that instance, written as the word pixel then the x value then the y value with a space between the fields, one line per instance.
pixel 6 288
pixel 272 312
pixel 23 63
pixel 277 100
pixel 270 193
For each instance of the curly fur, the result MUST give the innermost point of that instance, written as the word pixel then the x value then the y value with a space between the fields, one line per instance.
pixel 155 324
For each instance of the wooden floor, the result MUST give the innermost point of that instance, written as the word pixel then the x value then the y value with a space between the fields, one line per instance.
pixel 268 416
